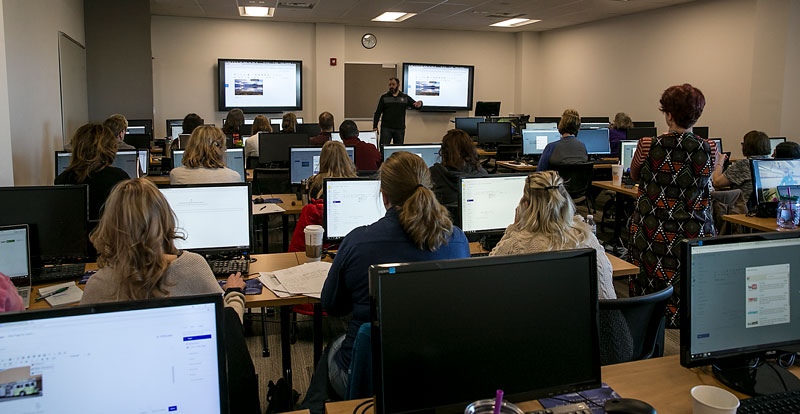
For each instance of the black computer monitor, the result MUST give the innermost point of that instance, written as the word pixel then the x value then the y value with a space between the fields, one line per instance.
pixel 304 161
pixel 227 206
pixel 350 203
pixel 519 341
pixel 485 108
pixel 594 125
pixel 275 147
pixel 245 130
pixel 535 140
pixel 639 133
pixel 174 128
pixel 701 131
pixel 57 217
pixel 469 124
pixel 739 301
pixel 486 205
pixel 768 174
pixel 140 126
pixel 428 152
pixel 718 141
pixel 644 124
pixel 493 133
pixel 595 120
pixel 595 140
pixel 170 349
pixel 312 130
pixel 138 140
pixel 773 142
pixel 546 119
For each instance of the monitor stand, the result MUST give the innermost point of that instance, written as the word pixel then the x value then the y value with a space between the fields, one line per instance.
pixel 767 378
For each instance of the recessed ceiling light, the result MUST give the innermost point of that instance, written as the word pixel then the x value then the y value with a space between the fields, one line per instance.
pixel 256 11
pixel 393 17
pixel 514 22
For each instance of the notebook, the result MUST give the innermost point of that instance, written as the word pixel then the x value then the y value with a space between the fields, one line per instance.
pixel 15 258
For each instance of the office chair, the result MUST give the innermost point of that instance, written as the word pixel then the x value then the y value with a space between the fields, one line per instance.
pixel 633 328
pixel 271 181
pixel 577 180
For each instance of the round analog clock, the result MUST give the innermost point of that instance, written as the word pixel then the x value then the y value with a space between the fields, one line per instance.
pixel 369 40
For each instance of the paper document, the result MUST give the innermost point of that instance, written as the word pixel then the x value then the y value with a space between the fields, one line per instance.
pixel 272 283
pixel 306 279
pixel 71 295
pixel 267 208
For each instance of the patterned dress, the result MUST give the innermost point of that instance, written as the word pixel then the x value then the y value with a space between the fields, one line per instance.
pixel 673 204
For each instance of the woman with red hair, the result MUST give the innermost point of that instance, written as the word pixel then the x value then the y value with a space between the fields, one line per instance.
pixel 674 172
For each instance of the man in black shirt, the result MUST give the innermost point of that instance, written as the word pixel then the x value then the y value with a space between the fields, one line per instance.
pixel 393 106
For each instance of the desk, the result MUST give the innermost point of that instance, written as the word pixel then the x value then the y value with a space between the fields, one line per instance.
pixel 758 223
pixel 291 207
pixel 164 179
pixel 668 394
pixel 619 205
pixel 484 153
pixel 516 166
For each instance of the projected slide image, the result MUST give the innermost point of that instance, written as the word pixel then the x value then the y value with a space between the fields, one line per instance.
pixel 16 383
pixel 249 87
pixel 427 88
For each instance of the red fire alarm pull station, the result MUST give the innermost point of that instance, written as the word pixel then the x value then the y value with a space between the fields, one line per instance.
pixel 333 61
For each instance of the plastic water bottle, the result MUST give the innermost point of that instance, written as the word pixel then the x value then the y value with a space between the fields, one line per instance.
pixel 786 213
pixel 590 222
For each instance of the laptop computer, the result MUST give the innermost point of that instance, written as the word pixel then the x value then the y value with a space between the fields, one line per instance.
pixel 15 259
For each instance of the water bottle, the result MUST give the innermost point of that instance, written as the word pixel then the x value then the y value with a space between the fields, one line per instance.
pixel 786 213
pixel 590 222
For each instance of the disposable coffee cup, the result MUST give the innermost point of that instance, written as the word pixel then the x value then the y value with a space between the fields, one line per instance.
pixel 487 407
pixel 616 174
pixel 709 399
pixel 313 235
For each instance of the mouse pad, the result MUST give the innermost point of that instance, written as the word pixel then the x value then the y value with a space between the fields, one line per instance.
pixel 595 399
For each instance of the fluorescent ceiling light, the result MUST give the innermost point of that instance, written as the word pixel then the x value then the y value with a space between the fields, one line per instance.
pixel 393 17
pixel 258 11
pixel 514 22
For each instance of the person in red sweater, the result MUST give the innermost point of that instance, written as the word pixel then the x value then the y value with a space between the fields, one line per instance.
pixel 368 158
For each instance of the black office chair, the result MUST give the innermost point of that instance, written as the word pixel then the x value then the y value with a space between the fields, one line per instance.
pixel 506 152
pixel 577 180
pixel 271 181
pixel 633 328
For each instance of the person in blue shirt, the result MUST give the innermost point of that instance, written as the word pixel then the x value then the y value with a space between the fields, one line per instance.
pixel 415 228
pixel 567 150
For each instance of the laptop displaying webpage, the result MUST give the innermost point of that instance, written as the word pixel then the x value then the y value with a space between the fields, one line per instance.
pixel 429 153
pixel 489 203
pixel 211 217
pixel 626 152
pixel 304 162
pixel 350 204
pixel 138 361
pixel 535 140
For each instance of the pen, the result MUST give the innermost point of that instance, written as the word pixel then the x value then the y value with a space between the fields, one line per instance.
pixel 55 292
pixel 262 207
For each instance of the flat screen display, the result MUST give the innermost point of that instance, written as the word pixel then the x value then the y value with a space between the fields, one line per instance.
pixel 769 174
pixel 489 203
pixel 442 87
pixel 350 203
pixel 304 162
pixel 260 85
pixel 535 141
pixel 428 152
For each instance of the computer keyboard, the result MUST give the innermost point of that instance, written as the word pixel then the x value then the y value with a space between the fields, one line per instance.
pixel 223 268
pixel 576 408
pixel 783 402
pixel 57 273
pixel 606 161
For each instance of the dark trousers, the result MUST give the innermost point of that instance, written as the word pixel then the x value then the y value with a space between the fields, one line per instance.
pixel 319 390
pixel 392 136
pixel 242 379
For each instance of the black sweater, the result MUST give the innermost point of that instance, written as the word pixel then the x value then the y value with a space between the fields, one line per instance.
pixel 393 109
pixel 100 185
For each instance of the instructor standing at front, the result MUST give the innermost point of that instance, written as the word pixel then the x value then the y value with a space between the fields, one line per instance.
pixel 393 106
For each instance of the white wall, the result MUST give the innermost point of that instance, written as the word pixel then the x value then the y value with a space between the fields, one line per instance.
pixel 6 161
pixel 31 45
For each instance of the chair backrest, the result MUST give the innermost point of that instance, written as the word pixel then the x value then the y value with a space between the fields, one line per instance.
pixel 642 317
pixel 360 381
pixel 577 177
pixel 726 202
pixel 507 152
pixel 271 181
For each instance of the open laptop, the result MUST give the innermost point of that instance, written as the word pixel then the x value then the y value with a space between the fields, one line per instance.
pixel 15 258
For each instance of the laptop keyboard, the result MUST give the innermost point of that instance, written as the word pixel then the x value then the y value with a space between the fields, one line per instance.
pixel 58 273
pixel 223 268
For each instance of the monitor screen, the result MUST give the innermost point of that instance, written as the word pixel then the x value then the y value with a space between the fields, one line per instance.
pixel 260 85
pixel 140 126
pixel 718 141
pixel 174 128
pixel 428 152
pixel 169 350
pixel 701 132
pixel 541 125
pixel 595 119
pixel 144 161
pixel 57 217
pixel 547 119
pixel 644 124
pixel 226 206
pixel 488 204
pixel 135 130
pixel 534 141
pixel 369 137
pixel 773 142
pixel 14 255
pixel 234 159
pixel 304 162
pixel 594 125
pixel 638 133
pixel 130 161
pixel 350 203
pixel 469 125
pixel 517 342
pixel 494 132
pixel 444 87
pixel 311 130
pixel 769 174
pixel 275 147
pixel 742 296
pixel 595 140
pixel 627 151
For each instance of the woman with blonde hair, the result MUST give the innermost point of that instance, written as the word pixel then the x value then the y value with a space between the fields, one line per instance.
pixel 289 122
pixel 618 131
pixel 94 148
pixel 260 124
pixel 546 221
pixel 204 160
pixel 567 150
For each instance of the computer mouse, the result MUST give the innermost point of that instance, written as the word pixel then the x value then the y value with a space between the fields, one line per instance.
pixel 258 200
pixel 628 406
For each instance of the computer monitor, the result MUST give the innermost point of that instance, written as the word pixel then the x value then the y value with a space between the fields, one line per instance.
pixel 626 153
pixel 214 218
pixel 428 152
pixel 517 342
pixel 773 142
pixel 57 217
pixel 644 124
pixel 138 140
pixel 174 128
pixel 595 120
pixel 15 255
pixel 299 119
pixel 547 119
pixel 126 160
pixel 170 350
pixel 595 140
pixel 350 203
pixel 143 155
pixel 718 141
pixel 304 161
pixel 140 126
pixel 541 125
pixel 245 130
pixel 701 132
pixel 768 174
pixel 488 204
pixel 494 133
pixel 739 301
pixel 275 147
pixel 312 130
pixel 469 124
pixel 534 141
pixel 639 133
pixel 369 137
pixel 594 125
pixel 234 159
pixel 483 108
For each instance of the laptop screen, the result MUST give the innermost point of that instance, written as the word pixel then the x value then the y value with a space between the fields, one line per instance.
pixel 350 203
pixel 14 254
pixel 489 203
pixel 428 152
pixel 143 357
pixel 627 151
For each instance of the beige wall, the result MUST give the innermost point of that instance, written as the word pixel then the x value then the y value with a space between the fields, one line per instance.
pixel 6 161
pixel 790 109
pixel 31 47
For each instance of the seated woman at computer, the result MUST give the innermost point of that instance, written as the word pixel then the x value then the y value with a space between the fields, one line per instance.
pixel 94 148
pixel 618 132
pixel 289 122
pixel 755 145
pixel 233 120
pixel 415 228
pixel 546 221
pixel 673 200
pixel 10 301
pixel 204 160
pixel 567 150
pixel 459 158
pixel 333 163
pixel 260 124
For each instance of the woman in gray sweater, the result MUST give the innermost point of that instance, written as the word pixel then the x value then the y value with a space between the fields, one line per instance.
pixel 204 160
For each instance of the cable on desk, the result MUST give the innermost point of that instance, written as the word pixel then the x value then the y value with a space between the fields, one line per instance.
pixel 362 404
